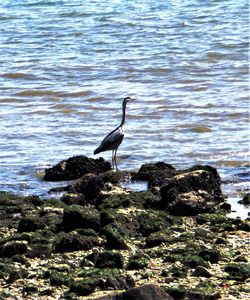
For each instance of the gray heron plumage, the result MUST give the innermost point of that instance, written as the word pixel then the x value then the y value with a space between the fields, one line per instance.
pixel 113 140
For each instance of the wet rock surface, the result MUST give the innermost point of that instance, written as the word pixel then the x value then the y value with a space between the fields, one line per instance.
pixel 101 241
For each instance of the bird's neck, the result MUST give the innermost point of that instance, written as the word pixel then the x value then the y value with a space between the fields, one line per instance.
pixel 123 114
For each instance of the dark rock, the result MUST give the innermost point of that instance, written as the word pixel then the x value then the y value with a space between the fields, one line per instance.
pixel 17 274
pixel 90 186
pixel 106 259
pixel 30 289
pixel 31 223
pixel 106 218
pixel 119 282
pixel 201 271
pixel 116 237
pixel 138 261
pixel 58 278
pixel 74 242
pixel 150 222
pixel 147 171
pixel 145 292
pixel 238 271
pixel 42 250
pixel 211 255
pixel 12 248
pixel 123 200
pixel 191 193
pixel 190 204
pixel 70 199
pixel 156 174
pixel 5 270
pixel 84 287
pixel 245 200
pixel 75 167
pixel 241 258
pixel 156 239
pixel 76 216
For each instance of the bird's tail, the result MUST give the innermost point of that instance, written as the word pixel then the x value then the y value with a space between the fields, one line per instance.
pixel 97 150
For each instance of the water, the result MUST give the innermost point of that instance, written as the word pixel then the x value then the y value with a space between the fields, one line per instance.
pixel 65 67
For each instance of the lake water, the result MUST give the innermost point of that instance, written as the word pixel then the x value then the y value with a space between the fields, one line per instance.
pixel 65 67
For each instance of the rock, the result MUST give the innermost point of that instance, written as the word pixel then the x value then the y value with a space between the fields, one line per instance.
pixel 190 204
pixel 211 255
pixel 76 216
pixel 238 271
pixel 75 167
pixel 156 174
pixel 58 278
pixel 145 292
pixel 106 259
pixel 245 200
pixel 124 199
pixel 73 198
pixel 201 271
pixel 73 241
pixel 152 221
pixel 138 261
pixel 12 248
pixel 191 193
pixel 84 287
pixel 155 239
pixel 119 282
pixel 116 237
pixel 17 274
pixel 31 223
pixel 90 186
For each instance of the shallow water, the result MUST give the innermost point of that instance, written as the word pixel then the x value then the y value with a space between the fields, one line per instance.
pixel 65 67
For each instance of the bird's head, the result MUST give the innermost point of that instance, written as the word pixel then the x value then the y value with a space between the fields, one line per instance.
pixel 127 99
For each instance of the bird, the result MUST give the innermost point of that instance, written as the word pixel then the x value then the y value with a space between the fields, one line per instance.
pixel 113 140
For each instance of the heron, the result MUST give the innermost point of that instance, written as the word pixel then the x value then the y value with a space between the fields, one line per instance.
pixel 113 140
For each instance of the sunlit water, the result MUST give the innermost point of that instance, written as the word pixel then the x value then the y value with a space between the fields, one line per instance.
pixel 65 67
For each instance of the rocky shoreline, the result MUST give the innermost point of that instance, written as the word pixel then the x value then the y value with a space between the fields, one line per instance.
pixel 101 241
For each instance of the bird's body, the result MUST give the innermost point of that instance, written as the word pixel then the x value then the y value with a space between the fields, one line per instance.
pixel 113 140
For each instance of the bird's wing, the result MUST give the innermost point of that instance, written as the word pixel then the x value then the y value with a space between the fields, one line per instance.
pixel 113 136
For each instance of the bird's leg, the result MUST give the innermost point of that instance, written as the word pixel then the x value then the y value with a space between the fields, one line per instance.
pixel 115 159
pixel 112 163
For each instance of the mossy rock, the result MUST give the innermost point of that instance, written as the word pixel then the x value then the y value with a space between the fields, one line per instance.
pixel 213 219
pixel 116 237
pixel 73 241
pixel 58 278
pixel 84 287
pixel 12 248
pixel 75 167
pixel 238 271
pixel 245 200
pixel 123 200
pixel 107 259
pixel 138 261
pixel 76 216
pixel 152 221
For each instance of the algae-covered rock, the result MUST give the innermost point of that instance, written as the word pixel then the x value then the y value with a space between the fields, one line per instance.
pixel 75 167
pixel 116 237
pixel 238 271
pixel 58 278
pixel 73 241
pixel 31 223
pixel 145 292
pixel 106 259
pixel 12 248
pixel 138 261
pixel 191 192
pixel 245 200
pixel 76 216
